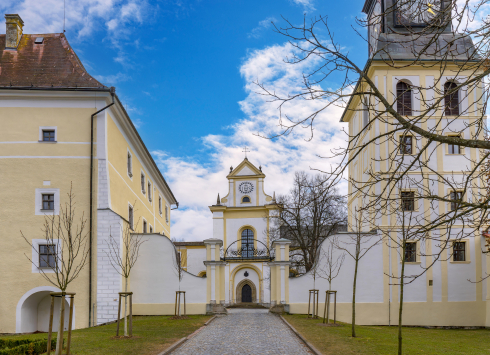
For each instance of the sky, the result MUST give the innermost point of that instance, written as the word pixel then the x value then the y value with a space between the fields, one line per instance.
pixel 186 72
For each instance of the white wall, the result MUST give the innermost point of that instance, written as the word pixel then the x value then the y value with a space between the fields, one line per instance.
pixel 154 278
pixel 195 260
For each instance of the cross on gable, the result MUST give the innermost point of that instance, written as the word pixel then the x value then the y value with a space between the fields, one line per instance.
pixel 245 150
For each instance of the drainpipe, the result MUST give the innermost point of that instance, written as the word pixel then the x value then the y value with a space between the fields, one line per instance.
pixel 113 93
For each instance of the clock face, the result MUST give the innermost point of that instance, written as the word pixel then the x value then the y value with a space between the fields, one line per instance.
pixel 374 27
pixel 245 187
pixel 417 12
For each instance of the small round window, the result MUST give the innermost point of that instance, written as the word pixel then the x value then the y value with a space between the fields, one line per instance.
pixel 245 199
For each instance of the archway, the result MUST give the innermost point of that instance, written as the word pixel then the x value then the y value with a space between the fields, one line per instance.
pixel 244 272
pixel 246 292
pixel 32 312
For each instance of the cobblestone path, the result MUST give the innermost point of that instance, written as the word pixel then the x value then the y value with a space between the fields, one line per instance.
pixel 245 332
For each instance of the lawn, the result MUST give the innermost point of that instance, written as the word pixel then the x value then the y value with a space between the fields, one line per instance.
pixel 151 335
pixel 383 339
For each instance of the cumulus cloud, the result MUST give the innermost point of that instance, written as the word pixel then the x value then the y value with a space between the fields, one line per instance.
pixel 263 25
pixel 196 185
pixel 306 4
pixel 112 79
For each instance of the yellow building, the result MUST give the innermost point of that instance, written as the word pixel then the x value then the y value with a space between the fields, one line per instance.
pixel 63 128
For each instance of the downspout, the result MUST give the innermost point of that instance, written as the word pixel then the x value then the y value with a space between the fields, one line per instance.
pixel 113 93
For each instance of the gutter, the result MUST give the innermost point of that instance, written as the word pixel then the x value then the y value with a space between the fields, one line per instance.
pixel 113 93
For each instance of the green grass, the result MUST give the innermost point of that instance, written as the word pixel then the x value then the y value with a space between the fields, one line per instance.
pixel 151 335
pixel 384 340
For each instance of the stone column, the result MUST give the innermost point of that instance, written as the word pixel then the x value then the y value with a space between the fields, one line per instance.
pixel 280 276
pixel 215 276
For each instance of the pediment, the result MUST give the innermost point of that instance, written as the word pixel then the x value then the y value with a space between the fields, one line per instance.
pixel 246 168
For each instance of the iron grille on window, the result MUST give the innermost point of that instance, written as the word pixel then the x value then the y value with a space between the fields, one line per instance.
pixel 408 200
pixel 406 145
pixel 459 251
pixel 47 253
pixel 166 214
pixel 451 100
pixel 410 252
pixel 403 99
pixel 48 202
pixel 246 199
pixel 130 218
pixel 455 196
pixel 48 135
pixel 247 243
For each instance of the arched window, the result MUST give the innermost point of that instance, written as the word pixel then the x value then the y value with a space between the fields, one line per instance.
pixel 247 243
pixel 403 98
pixel 451 99
pixel 245 199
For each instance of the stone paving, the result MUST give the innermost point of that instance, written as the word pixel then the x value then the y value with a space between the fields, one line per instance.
pixel 245 332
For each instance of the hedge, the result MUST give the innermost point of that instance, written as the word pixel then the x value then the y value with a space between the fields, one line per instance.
pixel 25 346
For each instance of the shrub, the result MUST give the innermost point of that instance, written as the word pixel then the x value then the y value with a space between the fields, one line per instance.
pixel 25 346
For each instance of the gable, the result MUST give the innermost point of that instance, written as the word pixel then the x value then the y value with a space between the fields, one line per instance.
pixel 246 168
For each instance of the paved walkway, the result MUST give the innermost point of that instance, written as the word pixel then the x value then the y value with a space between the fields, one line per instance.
pixel 245 332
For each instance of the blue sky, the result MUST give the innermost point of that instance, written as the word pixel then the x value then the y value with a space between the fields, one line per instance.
pixel 185 71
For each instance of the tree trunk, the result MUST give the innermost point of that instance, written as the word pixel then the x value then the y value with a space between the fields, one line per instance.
pixel 125 308
pixel 328 304
pixel 400 309
pixel 59 340
pixel 354 301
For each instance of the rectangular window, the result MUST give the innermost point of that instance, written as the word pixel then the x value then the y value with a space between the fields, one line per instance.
pixel 144 227
pixel 47 253
pixel 459 251
pixel 406 145
pixel 48 202
pixel 151 229
pixel 455 196
pixel 160 205
pixel 408 200
pixel 365 114
pixel 166 214
pixel 143 183
pixel 410 252
pixel 454 148
pixel 149 191
pixel 48 135
pixel 130 217
pixel 130 165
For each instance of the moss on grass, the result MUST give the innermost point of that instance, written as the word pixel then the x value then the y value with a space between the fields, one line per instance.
pixel 383 340
pixel 152 334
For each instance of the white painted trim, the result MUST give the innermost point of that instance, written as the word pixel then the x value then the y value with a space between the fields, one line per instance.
pixel 42 128
pixel 144 183
pixel 35 255
pixel 25 296
pixel 38 201
pixel 42 157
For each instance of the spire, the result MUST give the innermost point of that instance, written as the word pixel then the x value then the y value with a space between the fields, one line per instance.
pixel 218 202
pixel 274 197
pixel 231 169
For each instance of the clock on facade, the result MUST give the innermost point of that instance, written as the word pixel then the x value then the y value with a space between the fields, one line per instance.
pixel 245 187
pixel 416 13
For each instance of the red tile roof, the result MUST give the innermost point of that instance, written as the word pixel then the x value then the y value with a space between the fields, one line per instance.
pixel 50 64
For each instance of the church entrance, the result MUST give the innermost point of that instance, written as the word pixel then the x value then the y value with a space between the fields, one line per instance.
pixel 246 293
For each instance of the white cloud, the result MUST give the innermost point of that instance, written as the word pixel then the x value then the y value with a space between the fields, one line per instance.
pixel 307 4
pixel 196 185
pixel 263 25
pixel 112 79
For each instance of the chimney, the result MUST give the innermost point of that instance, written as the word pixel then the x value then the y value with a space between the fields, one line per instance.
pixel 14 30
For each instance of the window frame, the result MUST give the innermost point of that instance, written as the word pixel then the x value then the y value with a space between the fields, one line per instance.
pixel 448 109
pixel 145 226
pixel 466 251
pixel 39 211
pixel 48 128
pixel 246 196
pixel 167 217
pixel 451 192
pixel 401 96
pixel 160 206
pixel 448 149
pixel 365 114
pixel 40 255
pixel 414 253
pixel 248 242
pixel 131 216
pixel 149 185
pixel 151 228
pixel 403 144
pixel 48 201
pixel 130 164
pixel 414 200
pixel 143 183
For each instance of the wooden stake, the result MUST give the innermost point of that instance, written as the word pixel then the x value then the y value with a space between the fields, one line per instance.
pixel 131 315
pixel 72 300
pixel 50 332
pixel 118 315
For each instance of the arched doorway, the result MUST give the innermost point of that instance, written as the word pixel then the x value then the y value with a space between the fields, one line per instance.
pixel 33 311
pixel 246 292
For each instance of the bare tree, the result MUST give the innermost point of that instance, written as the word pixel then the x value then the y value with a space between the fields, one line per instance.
pixel 66 249
pixel 179 270
pixel 123 254
pixel 356 245
pixel 309 214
